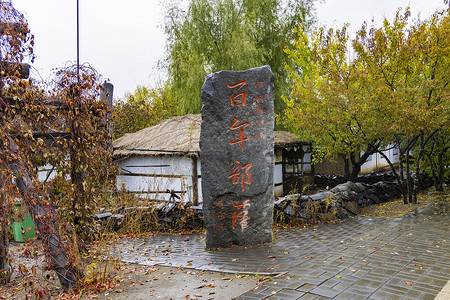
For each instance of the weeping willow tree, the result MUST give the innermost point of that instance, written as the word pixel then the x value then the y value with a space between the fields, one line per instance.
pixel 209 36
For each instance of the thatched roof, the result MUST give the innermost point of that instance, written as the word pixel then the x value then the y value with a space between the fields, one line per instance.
pixel 286 139
pixel 177 135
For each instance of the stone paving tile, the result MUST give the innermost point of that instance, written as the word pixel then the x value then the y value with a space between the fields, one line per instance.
pixel 290 294
pixel 324 291
pixel 344 296
pixel 341 286
pixel 306 287
pixel 330 283
pixel 358 297
pixel 360 258
pixel 322 298
pixel 380 294
pixel 309 297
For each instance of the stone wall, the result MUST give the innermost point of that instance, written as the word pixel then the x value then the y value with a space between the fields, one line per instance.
pixel 340 202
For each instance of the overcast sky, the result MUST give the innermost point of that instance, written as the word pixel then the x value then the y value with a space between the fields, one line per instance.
pixel 123 40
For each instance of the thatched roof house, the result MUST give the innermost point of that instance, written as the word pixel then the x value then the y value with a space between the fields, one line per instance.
pixel 177 135
pixel 164 158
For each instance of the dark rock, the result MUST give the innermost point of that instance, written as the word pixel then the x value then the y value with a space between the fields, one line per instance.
pixel 365 194
pixel 361 186
pixel 289 210
pixel 342 214
pixel 280 203
pixel 321 196
pixel 304 204
pixel 374 198
pixel 351 206
pixel 237 158
pixel 353 186
pixel 335 190
pixel 342 195
pixel 305 214
pixel 322 181
pixel 352 196
pixel 326 217
pixel 341 188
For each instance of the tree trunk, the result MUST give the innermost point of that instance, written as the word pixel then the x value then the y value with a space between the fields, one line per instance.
pixel 423 143
pixel 56 253
pixel 5 269
pixel 439 184
pixel 402 178
pixel 439 178
pixel 397 177
pixel 357 163
pixel 416 182
pixel 346 167
pixel 408 178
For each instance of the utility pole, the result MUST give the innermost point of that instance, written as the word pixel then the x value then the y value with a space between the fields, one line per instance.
pixel 78 41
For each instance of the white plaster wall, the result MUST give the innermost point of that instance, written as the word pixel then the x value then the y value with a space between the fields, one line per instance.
pixel 158 166
pixel 378 161
pixel 44 171
pixel 278 178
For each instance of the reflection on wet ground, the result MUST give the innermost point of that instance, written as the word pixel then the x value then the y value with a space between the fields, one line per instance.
pixel 359 257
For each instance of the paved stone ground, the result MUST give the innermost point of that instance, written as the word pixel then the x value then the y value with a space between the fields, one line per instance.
pixel 360 258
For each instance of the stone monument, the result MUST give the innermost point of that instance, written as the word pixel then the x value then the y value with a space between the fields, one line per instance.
pixel 237 157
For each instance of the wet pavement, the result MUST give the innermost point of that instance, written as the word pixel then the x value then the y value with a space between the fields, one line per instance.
pixel 359 258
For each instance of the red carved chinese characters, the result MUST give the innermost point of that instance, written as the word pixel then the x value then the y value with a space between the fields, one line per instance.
pixel 241 174
pixel 238 99
pixel 239 133
pixel 241 214
pixel 218 216
pixel 259 99
pixel 259 110
pixel 220 204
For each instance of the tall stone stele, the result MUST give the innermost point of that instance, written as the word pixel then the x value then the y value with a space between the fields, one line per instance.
pixel 237 159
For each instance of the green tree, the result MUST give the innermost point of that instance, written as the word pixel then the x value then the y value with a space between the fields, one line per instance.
pixel 331 105
pixel 142 109
pixel 230 35
pixel 437 159
pixel 408 64
pixel 395 90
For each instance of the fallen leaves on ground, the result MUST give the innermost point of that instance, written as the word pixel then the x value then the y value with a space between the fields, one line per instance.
pixel 396 208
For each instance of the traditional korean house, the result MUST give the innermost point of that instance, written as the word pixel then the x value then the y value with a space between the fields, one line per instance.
pixel 162 162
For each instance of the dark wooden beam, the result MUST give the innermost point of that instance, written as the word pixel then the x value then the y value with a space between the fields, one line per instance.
pixel 44 135
pixel 151 175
